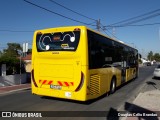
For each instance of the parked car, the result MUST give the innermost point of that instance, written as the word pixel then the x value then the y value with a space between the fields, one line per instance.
pixel 157 71
pixel 148 63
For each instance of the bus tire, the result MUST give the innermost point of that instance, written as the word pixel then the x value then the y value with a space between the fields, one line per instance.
pixel 113 85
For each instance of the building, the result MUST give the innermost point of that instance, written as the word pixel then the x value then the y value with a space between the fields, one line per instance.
pixel 27 61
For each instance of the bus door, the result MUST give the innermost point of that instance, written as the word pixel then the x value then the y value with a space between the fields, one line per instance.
pixel 123 71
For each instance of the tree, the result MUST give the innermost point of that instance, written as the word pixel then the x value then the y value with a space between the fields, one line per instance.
pixel 29 51
pixel 157 57
pixel 12 64
pixel 12 49
pixel 0 53
pixel 150 56
pixel 10 57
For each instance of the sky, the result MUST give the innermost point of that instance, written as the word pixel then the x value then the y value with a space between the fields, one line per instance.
pixel 19 20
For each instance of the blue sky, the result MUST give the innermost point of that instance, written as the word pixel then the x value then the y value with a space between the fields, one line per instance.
pixel 17 15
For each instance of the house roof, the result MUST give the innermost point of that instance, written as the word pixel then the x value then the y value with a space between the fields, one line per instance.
pixel 28 57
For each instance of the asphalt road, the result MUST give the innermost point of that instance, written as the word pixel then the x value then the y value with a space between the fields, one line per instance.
pixel 25 101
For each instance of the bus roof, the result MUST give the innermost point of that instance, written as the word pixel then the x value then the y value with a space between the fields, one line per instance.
pixel 85 27
pixel 111 38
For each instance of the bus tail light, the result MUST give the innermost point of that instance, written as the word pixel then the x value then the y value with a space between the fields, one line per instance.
pixel 81 82
pixel 33 80
pixel 77 29
pixel 39 33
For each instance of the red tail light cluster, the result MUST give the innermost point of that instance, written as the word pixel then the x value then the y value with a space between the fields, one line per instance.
pixel 81 82
pixel 33 79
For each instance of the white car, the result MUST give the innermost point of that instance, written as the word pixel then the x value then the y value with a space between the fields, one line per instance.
pixel 157 71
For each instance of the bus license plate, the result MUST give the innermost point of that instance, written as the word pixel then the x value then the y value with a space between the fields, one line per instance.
pixel 57 87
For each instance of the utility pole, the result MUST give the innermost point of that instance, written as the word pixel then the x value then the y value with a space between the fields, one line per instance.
pixel 113 32
pixel 159 33
pixel 98 23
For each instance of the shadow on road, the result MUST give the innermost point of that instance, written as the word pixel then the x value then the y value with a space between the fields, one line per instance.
pixel 88 102
pixel 112 114
pixel 142 113
pixel 152 83
pixel 132 111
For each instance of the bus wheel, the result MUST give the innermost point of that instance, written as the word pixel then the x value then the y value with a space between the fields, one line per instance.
pixel 113 85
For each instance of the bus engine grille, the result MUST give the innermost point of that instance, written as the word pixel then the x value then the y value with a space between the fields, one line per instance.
pixel 94 84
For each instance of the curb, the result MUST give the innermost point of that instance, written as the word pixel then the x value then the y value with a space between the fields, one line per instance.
pixel 133 99
pixel 13 85
pixel 14 90
pixel 139 89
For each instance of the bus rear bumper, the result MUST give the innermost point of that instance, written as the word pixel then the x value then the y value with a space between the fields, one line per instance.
pixel 79 96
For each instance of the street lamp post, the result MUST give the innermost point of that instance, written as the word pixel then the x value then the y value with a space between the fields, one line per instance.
pixel 159 33
pixel 20 66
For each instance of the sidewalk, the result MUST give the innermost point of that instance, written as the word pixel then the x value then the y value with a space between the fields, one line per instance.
pixel 146 106
pixel 9 89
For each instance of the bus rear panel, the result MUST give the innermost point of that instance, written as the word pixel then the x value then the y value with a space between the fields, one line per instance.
pixel 59 64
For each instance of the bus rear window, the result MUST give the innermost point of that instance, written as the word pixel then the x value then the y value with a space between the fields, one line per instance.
pixel 60 41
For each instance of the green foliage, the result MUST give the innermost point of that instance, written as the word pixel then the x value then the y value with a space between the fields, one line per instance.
pixel 29 51
pixel 151 56
pixel 157 57
pixel 12 49
pixel 139 61
pixel 10 57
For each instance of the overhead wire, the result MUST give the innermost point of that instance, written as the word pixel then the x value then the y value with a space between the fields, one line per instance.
pixel 139 20
pixel 103 29
pixel 90 24
pixel 129 21
pixel 4 30
pixel 139 25
pixel 139 16
pixel 43 8
pixel 71 10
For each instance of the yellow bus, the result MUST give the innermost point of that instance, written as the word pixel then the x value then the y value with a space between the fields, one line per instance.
pixel 78 63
